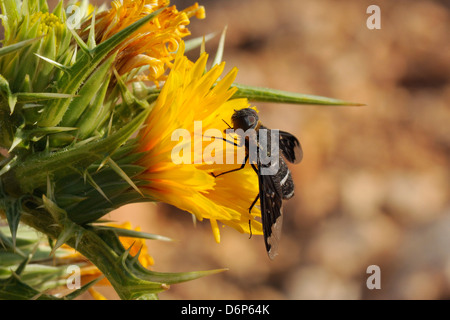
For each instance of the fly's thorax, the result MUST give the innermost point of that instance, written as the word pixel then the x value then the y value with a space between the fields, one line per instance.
pixel 246 137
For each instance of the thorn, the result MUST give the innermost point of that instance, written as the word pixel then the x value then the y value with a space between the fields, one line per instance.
pixel 65 234
pixel 37 296
pixel 50 191
pixel 202 45
pixel 78 239
pixel 123 175
pixel 56 64
pixel 22 266
pixel 125 254
pixel 165 286
pixel 220 48
pixel 194 220
pixel 136 257
pixel 95 185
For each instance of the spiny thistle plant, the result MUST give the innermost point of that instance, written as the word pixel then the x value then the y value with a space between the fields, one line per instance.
pixel 89 99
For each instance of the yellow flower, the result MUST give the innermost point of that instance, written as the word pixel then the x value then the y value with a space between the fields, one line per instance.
pixel 191 95
pixel 154 44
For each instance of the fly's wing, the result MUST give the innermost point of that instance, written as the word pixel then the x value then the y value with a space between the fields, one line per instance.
pixel 270 197
pixel 290 147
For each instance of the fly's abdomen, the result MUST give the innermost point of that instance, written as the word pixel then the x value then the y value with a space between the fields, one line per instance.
pixel 286 182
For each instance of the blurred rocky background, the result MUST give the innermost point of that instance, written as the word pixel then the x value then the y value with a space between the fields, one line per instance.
pixel 374 185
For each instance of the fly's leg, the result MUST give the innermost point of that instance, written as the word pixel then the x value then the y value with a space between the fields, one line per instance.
pixel 228 141
pixel 249 211
pixel 253 203
pixel 237 169
pixel 255 168
pixel 233 170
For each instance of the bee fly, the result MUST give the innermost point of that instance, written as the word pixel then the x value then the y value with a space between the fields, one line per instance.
pixel 274 187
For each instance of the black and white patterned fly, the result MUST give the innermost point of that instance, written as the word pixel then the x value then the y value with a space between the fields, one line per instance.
pixel 275 187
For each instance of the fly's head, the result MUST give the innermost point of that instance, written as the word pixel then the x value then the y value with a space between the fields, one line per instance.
pixel 245 119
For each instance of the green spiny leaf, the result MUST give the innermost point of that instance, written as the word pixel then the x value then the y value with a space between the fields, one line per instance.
pixel 89 90
pixel 95 119
pixel 13 288
pixel 6 244
pixel 69 228
pixel 59 10
pixel 197 42
pixel 9 9
pixel 177 277
pixel 67 233
pixel 58 214
pixel 11 163
pixel 66 200
pixel 159 277
pixel 91 38
pixel 23 264
pixel 25 97
pixel 5 91
pixel 25 136
pixel 94 208
pixel 17 46
pixel 134 234
pixel 127 96
pixel 83 46
pixel 45 69
pixel 32 172
pixel 83 289
pixel 13 213
pixel 53 63
pixel 273 95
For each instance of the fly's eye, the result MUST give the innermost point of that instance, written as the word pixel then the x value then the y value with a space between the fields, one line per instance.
pixel 249 121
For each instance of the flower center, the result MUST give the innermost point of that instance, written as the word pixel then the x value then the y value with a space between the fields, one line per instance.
pixel 47 21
